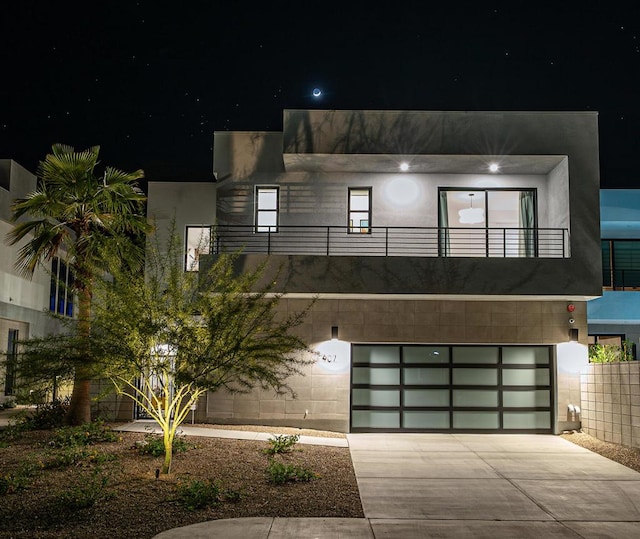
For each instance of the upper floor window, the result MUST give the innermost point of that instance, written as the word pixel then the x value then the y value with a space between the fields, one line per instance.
pixel 487 222
pixel 198 242
pixel 267 209
pixel 360 210
pixel 621 264
pixel 61 290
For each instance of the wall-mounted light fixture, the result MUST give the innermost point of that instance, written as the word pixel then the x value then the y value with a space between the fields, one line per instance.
pixel 573 334
pixel 334 333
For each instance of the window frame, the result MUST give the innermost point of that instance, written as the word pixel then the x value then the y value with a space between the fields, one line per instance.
pixel 61 296
pixel 195 259
pixel 259 211
pixel 352 228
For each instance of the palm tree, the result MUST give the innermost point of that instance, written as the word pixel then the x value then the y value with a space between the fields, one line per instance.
pixel 88 219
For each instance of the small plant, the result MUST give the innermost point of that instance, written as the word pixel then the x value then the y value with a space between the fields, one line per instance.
pixel 281 444
pixel 611 353
pixel 47 416
pixel 279 473
pixel 91 492
pixel 154 445
pixel 88 434
pixel 197 494
pixel 20 479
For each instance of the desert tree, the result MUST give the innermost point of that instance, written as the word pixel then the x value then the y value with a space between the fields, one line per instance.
pixel 169 336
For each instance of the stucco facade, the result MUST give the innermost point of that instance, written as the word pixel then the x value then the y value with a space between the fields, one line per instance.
pixel 430 303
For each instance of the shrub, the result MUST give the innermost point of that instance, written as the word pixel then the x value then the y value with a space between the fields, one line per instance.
pixel 20 479
pixel 197 494
pixel 88 434
pixel 8 404
pixel 279 473
pixel 154 445
pixel 282 444
pixel 89 493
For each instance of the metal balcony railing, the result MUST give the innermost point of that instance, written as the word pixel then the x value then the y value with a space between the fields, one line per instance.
pixel 394 241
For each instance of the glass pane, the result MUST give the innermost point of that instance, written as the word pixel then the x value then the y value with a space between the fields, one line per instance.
pixel 364 375
pixel 466 209
pixel 267 218
pixel 376 354
pixel 375 419
pixel 375 397
pixel 476 420
pixel 426 397
pixel 520 355
pixel 475 397
pixel 606 263
pixel 475 377
pixel 525 377
pixel 526 399
pixel 526 420
pixel 475 354
pixel 267 199
pixel 414 376
pixel 425 420
pixel 425 354
pixel 359 199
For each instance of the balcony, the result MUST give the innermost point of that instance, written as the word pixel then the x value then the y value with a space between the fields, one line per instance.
pixel 395 241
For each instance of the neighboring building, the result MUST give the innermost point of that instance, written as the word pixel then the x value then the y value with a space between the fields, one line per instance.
pixel 615 317
pixel 23 301
pixel 452 285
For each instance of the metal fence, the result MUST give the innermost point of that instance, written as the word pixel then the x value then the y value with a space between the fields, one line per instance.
pixel 394 241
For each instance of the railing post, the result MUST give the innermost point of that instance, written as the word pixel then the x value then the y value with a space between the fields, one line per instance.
pixel 328 235
pixel 564 254
pixel 504 243
pixel 269 241
pixel 386 241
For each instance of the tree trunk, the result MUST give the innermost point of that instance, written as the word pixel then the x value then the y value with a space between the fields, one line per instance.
pixel 168 452
pixel 80 406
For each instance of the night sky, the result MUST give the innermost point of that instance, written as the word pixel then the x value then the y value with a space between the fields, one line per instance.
pixel 150 81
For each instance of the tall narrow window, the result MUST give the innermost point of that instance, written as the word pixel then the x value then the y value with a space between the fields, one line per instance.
pixel 266 209
pixel 12 358
pixel 359 210
pixel 198 242
pixel 61 289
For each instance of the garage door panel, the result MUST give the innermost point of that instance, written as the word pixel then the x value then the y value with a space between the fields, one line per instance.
pixel 451 388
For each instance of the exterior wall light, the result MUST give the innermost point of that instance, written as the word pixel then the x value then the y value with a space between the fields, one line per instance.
pixel 334 333
pixel 573 334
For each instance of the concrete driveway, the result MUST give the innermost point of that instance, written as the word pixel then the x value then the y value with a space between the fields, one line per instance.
pixel 466 485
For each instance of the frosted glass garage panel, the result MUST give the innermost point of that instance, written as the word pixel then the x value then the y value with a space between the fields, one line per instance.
pixel 414 376
pixel 375 397
pixel 475 354
pixel 375 419
pixel 475 397
pixel 475 377
pixel 384 377
pixel 537 398
pixel 425 354
pixel 426 397
pixel 525 355
pixel 476 420
pixel 525 377
pixel 376 354
pixel 526 420
pixel 425 420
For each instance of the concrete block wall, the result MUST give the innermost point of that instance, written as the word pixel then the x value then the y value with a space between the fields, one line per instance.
pixel 323 392
pixel 611 402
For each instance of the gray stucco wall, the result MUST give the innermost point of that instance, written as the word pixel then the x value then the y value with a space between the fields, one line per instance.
pixel 331 144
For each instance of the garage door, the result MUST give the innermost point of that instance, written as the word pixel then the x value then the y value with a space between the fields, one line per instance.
pixel 416 388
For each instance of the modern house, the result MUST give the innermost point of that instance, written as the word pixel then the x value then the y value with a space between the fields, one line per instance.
pixel 451 254
pixel 23 301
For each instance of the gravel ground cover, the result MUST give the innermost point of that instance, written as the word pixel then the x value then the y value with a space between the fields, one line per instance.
pixel 128 501
pixel 628 456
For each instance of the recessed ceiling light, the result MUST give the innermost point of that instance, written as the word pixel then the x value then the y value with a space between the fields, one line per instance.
pixel 404 167
pixel 493 167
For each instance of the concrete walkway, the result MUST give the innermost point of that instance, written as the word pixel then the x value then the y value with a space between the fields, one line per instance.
pixel 464 485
